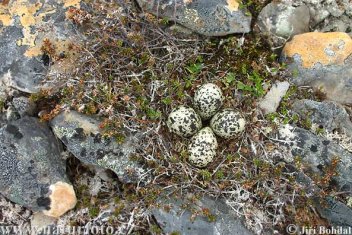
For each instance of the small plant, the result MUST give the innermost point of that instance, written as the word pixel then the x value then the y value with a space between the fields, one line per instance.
pixel 229 79
pixel 254 86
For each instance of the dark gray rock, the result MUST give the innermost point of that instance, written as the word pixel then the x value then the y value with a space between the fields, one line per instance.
pixel 32 171
pixel 24 27
pixel 337 213
pixel 207 17
pixel 318 152
pixel 24 73
pixel 327 114
pixel 278 22
pixel 178 219
pixel 82 137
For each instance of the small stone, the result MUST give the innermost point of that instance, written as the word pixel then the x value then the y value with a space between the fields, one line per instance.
pixel 272 99
pixel 208 99
pixel 278 22
pixel 202 148
pixel 227 123
pixel 184 121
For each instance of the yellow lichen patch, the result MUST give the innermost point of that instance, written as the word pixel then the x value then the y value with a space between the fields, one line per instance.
pixel 29 17
pixel 72 3
pixel 5 17
pixel 25 11
pixel 62 199
pixel 233 5
pixel 325 48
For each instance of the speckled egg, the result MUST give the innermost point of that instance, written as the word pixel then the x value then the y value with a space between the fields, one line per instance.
pixel 227 123
pixel 208 100
pixel 202 148
pixel 184 121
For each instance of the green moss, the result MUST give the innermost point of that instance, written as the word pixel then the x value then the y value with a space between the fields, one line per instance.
pixel 93 211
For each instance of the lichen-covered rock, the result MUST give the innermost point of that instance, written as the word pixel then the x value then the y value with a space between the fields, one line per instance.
pixel 32 171
pixel 327 114
pixel 278 22
pixel 23 105
pixel 25 26
pixel 202 148
pixel 317 153
pixel 272 99
pixel 227 123
pixel 207 17
pixel 177 219
pixel 323 61
pixel 208 99
pixel 82 137
pixel 184 121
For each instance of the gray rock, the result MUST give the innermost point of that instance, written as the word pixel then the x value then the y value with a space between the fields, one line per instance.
pixel 12 114
pixel 3 120
pixel 272 99
pixel 24 106
pixel 329 16
pixel 41 224
pixel 24 26
pixel 207 17
pixel 178 219
pixel 327 114
pixel 318 152
pixel 32 172
pixel 337 213
pixel 81 135
pixel 278 22
pixel 337 24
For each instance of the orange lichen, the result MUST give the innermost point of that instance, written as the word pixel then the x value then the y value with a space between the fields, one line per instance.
pixel 233 5
pixel 325 48
pixel 62 199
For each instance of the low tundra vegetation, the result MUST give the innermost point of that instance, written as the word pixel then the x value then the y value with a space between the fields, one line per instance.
pixel 133 71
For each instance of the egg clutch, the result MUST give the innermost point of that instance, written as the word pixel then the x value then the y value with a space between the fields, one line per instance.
pixel 186 122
